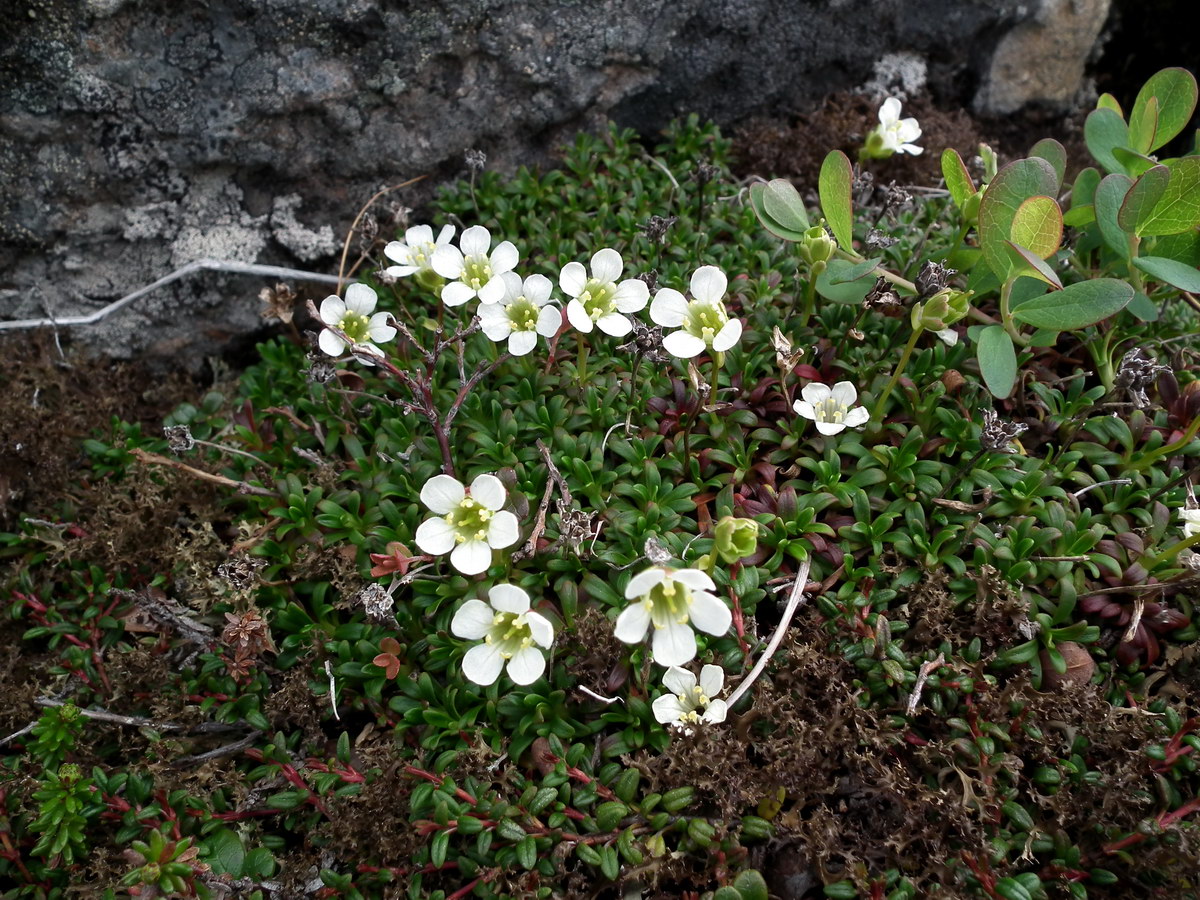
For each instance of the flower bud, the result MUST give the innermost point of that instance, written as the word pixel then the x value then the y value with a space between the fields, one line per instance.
pixel 941 310
pixel 735 538
pixel 817 247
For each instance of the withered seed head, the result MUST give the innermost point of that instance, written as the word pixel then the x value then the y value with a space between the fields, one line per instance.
pixel 377 603
pixel 932 278
pixel 997 435
pixel 476 159
pixel 179 438
pixel 656 228
pixel 1137 371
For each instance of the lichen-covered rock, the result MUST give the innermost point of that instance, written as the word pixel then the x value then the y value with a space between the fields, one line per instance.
pixel 136 136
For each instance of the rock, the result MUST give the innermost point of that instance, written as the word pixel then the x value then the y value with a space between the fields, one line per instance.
pixel 1080 667
pixel 136 136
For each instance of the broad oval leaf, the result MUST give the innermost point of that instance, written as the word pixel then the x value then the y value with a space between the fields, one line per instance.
pixel 1132 162
pixel 1012 186
pixel 997 360
pixel 854 272
pixel 1109 197
pixel 1083 191
pixel 958 179
pixel 757 197
pixel 1143 307
pixel 1179 207
pixel 1143 122
pixel 834 187
pixel 1054 153
pixel 1038 225
pixel 1175 92
pixel 1077 305
pixel 782 202
pixel 1108 101
pixel 1169 271
pixel 831 286
pixel 1141 199
pixel 1026 262
pixel 1103 130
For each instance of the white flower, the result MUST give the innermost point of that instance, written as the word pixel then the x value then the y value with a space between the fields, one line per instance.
pixel 599 301
pixel 1191 522
pixel 897 134
pixel 948 336
pixel 522 313
pixel 353 318
pixel 690 703
pixel 705 323
pixel 415 253
pixel 471 525
pixel 673 600
pixel 510 631
pixel 833 408
pixel 473 271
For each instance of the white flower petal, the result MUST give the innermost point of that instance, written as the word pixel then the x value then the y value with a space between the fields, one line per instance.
pixel 508 598
pixel 475 241
pixel 401 253
pixel 716 712
pixel 443 493
pixel 889 112
pixel 572 279
pixel 855 417
pixel 674 645
pixel 416 236
pixel 643 582
pixel 712 679
pixel 578 317
pixel 843 394
pixel 435 536
pixel 667 709
pixel 493 291
pixel 540 629
pixel 537 289
pixel 948 336
pixel 472 620
pixel 549 321
pixel 526 666
pixel 607 265
pixel 456 293
pixel 378 329
pixel 503 530
pixel 815 393
pixel 504 258
pixel 447 261
pixel 512 286
pixel 632 623
pixel 907 130
pixel 333 310
pixel 709 614
pixel 631 295
pixel 912 148
pixel 494 322
pixel 330 343
pixel 728 335
pixel 521 342
pixel 830 428
pixel 696 579
pixel 401 271
pixel 615 324
pixel 489 490
pixel 669 308
pixel 683 345
pixel 805 409
pixel 361 299
pixel 709 284
pixel 445 235
pixel 482 664
pixel 679 681
pixel 471 557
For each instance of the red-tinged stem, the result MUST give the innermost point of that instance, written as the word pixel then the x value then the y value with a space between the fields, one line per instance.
pixel 434 779
pixel 1164 820
pixel 463 891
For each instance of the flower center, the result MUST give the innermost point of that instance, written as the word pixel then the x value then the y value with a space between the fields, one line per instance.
pixel 705 320
pixel 477 271
pixel 421 253
pixel 355 326
pixel 509 633
pixel 523 314
pixel 469 521
pixel 830 410
pixel 668 603
pixel 597 299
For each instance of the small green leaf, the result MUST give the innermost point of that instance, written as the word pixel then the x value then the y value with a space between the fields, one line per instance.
pixel 1011 889
pixel 226 853
pixel 527 852
pixel 1108 101
pixel 854 272
pixel 438 848
pixel 1018 815
pixel 1054 153
pixel 958 179
pixel 1143 122
pixel 1179 207
pixel 1080 216
pixel 1077 305
pixel 1143 307
pixel 1141 199
pixel 780 209
pixel 841 291
pixel 834 187
pixel 1132 162
pixel 1037 225
pixel 1103 130
pixel 1033 266
pixel 1175 92
pixel 997 360
pixel 1109 197
pixel 1012 186
pixel 1083 191
pixel 751 885
pixel 1168 271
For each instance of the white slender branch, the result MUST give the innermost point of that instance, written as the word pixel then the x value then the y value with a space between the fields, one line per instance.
pixel 788 611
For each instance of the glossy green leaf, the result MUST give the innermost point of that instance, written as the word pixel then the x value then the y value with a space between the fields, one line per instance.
pixel 1012 186
pixel 1030 264
pixel 997 360
pixel 1054 153
pixel 1108 101
pixel 1179 207
pixel 1079 216
pixel 834 186
pixel 1143 123
pixel 1037 225
pixel 1077 305
pixel 226 854
pixel 1103 130
pixel 1168 271
pixel 1174 92
pixel 1132 162
pixel 1142 197
pixel 958 179
pixel 1109 197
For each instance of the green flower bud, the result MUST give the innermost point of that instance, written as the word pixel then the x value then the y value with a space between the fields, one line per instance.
pixel 735 538
pixel 941 310
pixel 817 247
pixel 430 280
pixel 970 210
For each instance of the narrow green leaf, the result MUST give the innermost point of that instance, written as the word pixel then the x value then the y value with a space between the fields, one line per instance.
pixel 958 179
pixel 1141 199
pixel 783 203
pixel 1012 186
pixel 1179 207
pixel 1103 130
pixel 1175 92
pixel 1054 153
pixel 1011 889
pixel 1037 225
pixel 1109 197
pixel 1143 123
pixel 997 360
pixel 834 186
pixel 1030 264
pixel 1077 305
pixel 1168 271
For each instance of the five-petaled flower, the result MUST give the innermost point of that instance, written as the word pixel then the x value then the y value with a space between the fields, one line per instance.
pixel 703 323
pixel 1191 522
pixel 522 313
pixel 599 301
pixel 893 134
pixel 352 317
pixel 690 703
pixel 833 408
pixel 468 526
pixel 672 600
pixel 414 254
pixel 474 271
pixel 511 633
